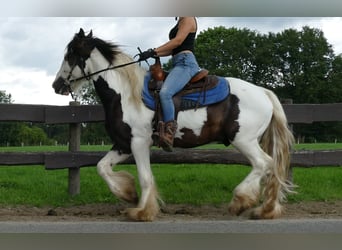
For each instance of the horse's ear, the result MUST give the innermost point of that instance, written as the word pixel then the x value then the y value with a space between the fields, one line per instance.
pixel 81 33
pixel 90 35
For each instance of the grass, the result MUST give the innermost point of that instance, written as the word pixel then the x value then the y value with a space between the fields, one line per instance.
pixel 177 183
pixel 317 184
pixel 318 146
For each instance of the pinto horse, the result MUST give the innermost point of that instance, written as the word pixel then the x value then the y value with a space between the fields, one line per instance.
pixel 251 118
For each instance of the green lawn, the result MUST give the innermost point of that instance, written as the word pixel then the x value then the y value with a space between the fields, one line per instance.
pixel 184 183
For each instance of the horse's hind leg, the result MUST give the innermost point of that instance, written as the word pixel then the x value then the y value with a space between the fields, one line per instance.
pixel 120 183
pixel 148 206
pixel 271 206
pixel 247 193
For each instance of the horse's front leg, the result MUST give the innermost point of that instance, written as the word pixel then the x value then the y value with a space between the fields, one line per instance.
pixel 120 183
pixel 148 206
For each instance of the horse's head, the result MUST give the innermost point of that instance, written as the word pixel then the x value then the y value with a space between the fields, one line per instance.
pixel 74 66
pixel 88 58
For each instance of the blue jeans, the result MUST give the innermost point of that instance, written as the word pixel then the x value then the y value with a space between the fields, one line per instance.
pixel 184 68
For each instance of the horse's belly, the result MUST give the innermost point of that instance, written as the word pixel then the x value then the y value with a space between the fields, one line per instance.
pixel 192 120
pixel 193 129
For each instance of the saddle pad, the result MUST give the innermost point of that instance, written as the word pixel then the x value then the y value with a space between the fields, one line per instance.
pixel 215 95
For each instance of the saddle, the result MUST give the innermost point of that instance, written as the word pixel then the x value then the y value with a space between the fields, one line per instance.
pixel 199 83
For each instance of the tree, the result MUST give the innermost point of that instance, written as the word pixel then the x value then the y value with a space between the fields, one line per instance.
pixel 32 135
pixel 332 90
pixel 304 59
pixel 6 128
pixel 227 52
pixel 4 98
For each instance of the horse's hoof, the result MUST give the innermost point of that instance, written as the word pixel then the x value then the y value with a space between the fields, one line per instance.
pixel 139 214
pixel 261 212
pixel 239 204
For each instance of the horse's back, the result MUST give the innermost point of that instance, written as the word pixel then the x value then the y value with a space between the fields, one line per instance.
pixel 250 95
pixel 255 107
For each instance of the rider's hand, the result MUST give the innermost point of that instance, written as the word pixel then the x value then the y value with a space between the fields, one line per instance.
pixel 147 54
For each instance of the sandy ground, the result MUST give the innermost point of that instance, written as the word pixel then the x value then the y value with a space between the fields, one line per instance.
pixel 110 212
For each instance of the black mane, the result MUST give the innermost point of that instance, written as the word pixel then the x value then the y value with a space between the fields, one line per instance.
pixel 82 45
pixel 108 49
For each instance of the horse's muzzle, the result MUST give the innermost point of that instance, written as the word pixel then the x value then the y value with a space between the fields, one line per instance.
pixel 60 86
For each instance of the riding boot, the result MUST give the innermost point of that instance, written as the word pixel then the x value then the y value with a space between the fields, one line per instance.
pixel 167 134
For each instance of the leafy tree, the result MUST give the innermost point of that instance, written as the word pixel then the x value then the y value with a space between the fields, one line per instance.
pixel 227 52
pixel 32 136
pixel 94 133
pixel 6 128
pixel 4 98
pixel 332 90
pixel 56 132
pixel 304 59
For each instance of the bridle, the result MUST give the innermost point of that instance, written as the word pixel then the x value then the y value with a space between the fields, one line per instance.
pixel 86 76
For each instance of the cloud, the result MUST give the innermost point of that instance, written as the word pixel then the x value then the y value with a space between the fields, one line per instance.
pixel 331 27
pixel 30 86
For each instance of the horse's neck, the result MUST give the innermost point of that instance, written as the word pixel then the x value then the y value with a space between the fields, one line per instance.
pixel 97 61
pixel 112 77
pixel 118 80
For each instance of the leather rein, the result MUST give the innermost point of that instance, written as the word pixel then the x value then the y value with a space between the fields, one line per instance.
pixel 88 76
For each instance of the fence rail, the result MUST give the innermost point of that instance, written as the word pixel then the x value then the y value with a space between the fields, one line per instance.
pixel 296 113
pixel 75 114
pixel 68 160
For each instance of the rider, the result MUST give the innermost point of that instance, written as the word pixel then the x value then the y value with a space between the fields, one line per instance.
pixel 184 67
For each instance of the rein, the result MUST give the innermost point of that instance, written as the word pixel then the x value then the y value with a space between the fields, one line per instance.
pixel 100 71
pixel 87 76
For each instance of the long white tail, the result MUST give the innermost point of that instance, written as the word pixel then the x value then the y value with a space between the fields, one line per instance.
pixel 277 142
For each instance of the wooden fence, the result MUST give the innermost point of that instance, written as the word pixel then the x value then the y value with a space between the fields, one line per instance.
pixel 75 114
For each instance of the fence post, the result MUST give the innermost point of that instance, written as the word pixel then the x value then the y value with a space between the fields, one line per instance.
pixel 74 145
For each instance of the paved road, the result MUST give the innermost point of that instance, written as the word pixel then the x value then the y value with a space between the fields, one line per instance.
pixel 243 226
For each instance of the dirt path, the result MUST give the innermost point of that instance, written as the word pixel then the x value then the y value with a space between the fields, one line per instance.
pixel 105 212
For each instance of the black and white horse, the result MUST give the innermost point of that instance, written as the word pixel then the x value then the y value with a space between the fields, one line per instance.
pixel 251 118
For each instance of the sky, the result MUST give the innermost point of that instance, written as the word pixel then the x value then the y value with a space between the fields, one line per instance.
pixel 32 48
